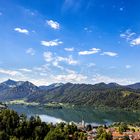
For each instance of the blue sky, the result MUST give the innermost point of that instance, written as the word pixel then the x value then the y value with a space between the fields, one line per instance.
pixel 79 41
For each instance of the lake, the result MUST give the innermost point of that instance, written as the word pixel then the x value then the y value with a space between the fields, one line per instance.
pixel 88 114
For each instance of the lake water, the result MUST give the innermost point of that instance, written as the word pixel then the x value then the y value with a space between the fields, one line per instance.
pixel 88 114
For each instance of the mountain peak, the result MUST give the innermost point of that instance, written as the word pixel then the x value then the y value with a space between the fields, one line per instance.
pixel 27 83
pixel 9 82
pixel 100 84
pixel 52 86
pixel 113 84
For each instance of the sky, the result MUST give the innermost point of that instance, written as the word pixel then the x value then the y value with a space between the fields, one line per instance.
pixel 78 41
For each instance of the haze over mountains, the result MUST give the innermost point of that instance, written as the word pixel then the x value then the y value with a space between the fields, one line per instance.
pixel 112 94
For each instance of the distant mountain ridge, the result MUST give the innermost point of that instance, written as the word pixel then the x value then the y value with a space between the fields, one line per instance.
pixel 101 94
pixel 134 86
pixel 12 83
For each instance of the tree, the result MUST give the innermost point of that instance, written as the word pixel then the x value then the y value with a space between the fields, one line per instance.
pixel 3 136
pixel 89 127
pixel 70 129
pixel 103 135
pixel 133 129
pixel 56 135
pixel 123 127
pixel 9 120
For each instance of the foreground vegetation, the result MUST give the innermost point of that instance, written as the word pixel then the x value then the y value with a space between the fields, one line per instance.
pixel 18 127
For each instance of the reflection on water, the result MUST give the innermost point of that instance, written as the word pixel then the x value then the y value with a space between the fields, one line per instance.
pixel 50 119
pixel 90 115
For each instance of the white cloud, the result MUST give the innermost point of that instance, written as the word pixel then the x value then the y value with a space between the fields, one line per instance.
pixel 25 70
pixel 131 38
pixel 55 60
pixel 112 54
pixel 69 49
pixel 128 34
pixel 48 56
pixel 102 78
pixel 128 66
pixel 30 51
pixel 43 68
pixel 68 60
pixel 135 41
pixel 51 43
pixel 53 24
pixel 43 74
pixel 56 64
pixel 71 77
pixel 91 51
pixel 23 31
pixel 70 71
pixel 10 72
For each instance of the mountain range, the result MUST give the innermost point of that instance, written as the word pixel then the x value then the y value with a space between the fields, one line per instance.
pixel 101 94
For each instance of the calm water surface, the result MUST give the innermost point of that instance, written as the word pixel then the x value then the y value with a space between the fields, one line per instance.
pixel 90 115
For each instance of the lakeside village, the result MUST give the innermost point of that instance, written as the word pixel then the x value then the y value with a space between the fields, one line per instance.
pixel 116 131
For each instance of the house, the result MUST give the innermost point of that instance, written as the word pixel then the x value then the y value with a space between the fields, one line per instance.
pixel 110 130
pixel 90 138
pixel 91 134
pixel 135 136
pixel 117 136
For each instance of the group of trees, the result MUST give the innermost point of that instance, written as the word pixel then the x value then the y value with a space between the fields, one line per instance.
pixel 103 135
pixel 18 127
pixel 123 127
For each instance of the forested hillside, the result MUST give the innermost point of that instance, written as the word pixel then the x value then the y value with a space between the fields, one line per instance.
pixel 97 95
